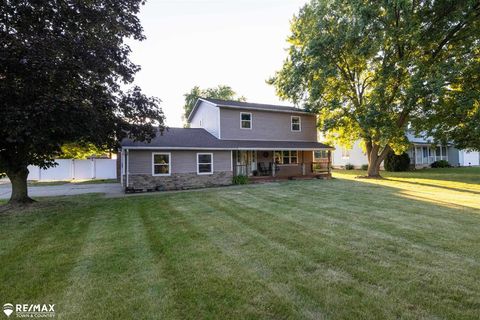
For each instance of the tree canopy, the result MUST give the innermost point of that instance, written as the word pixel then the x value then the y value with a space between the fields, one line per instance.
pixel 372 69
pixel 63 67
pixel 81 151
pixel 222 92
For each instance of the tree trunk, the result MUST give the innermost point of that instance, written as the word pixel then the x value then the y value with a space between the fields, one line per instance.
pixel 375 159
pixel 373 170
pixel 18 179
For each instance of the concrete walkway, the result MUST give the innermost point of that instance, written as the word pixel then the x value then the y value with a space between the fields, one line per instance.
pixel 68 189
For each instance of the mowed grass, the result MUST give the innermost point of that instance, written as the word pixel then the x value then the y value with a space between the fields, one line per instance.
pixel 405 247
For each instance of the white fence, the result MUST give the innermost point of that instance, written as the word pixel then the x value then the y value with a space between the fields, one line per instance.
pixel 71 169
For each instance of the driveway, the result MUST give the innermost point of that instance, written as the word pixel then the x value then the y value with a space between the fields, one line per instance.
pixel 68 189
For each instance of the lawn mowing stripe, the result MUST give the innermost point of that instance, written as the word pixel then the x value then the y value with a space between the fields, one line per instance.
pixel 368 228
pixel 278 250
pixel 251 201
pixel 223 233
pixel 113 255
pixel 40 251
pixel 174 231
pixel 387 229
pixel 397 220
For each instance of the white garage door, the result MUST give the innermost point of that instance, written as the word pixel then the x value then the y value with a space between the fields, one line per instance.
pixel 471 158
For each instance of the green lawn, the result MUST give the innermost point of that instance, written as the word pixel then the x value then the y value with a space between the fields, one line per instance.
pixel 406 247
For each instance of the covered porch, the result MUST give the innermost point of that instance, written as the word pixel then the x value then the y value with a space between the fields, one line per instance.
pixel 423 155
pixel 282 164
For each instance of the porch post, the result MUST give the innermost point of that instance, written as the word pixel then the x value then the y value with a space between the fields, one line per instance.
pixel 303 163
pixel 329 160
pixel 273 163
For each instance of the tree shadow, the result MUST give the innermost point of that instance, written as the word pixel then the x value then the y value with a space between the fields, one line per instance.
pixel 433 185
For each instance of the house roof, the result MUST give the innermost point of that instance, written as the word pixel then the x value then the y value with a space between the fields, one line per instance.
pixel 423 139
pixel 246 106
pixel 200 139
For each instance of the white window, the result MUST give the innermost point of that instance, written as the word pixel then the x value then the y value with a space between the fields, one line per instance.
pixel 296 123
pixel 204 163
pixel 160 164
pixel 286 157
pixel 345 153
pixel 245 120
pixel 319 155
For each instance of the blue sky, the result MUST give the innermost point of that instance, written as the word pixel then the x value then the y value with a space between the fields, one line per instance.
pixel 240 43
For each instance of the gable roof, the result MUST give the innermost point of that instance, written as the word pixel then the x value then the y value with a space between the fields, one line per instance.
pixel 199 138
pixel 422 138
pixel 246 106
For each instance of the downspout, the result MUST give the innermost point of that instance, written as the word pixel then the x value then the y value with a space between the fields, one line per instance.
pixel 122 166
pixel 127 168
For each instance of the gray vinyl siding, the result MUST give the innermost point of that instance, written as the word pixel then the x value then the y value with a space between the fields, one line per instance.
pixel 140 161
pixel 453 156
pixel 266 125
pixel 206 117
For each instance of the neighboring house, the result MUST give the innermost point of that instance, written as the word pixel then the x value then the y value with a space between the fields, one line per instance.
pixel 422 154
pixel 225 139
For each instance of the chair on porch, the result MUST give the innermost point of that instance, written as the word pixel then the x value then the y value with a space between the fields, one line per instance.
pixel 263 170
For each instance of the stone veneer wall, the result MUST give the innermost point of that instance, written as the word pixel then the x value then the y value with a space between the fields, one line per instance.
pixel 179 181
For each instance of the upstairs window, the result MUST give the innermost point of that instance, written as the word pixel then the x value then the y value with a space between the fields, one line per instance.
pixel 161 164
pixel 204 163
pixel 296 123
pixel 245 120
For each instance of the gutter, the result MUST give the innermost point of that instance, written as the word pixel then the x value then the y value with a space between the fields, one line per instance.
pixel 227 149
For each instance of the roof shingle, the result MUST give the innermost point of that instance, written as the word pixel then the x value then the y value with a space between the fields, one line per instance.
pixel 199 138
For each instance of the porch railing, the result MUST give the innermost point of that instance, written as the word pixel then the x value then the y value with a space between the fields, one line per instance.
pixel 321 166
pixel 271 169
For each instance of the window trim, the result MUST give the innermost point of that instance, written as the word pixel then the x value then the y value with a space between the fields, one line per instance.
pixel 211 163
pixel 251 120
pixel 318 159
pixel 169 154
pixel 299 123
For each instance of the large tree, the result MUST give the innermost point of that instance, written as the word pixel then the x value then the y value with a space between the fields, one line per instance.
pixel 63 65
pixel 222 92
pixel 372 69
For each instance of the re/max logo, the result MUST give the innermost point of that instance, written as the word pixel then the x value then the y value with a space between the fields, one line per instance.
pixel 25 310
pixel 35 307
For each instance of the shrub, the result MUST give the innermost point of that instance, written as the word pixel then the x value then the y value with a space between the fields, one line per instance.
pixel 395 162
pixel 349 166
pixel 440 164
pixel 240 179
pixel 364 166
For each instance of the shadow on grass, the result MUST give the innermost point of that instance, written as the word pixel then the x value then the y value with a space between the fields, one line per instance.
pixel 433 185
pixel 462 174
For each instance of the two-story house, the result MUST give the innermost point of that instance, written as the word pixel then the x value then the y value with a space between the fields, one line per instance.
pixel 225 139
